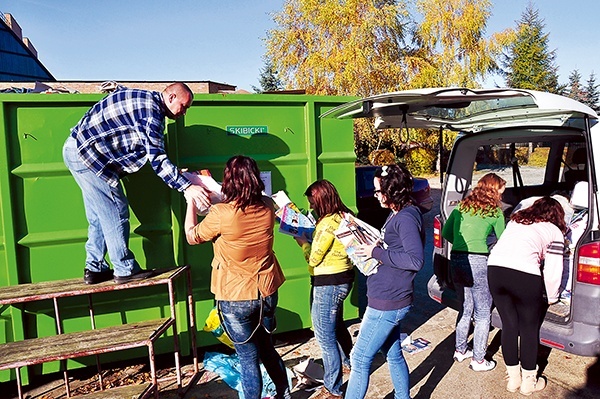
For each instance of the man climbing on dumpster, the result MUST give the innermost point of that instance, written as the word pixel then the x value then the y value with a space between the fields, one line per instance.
pixel 116 137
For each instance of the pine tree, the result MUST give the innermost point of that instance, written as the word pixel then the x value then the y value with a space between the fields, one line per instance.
pixel 269 79
pixel 575 90
pixel 593 95
pixel 529 63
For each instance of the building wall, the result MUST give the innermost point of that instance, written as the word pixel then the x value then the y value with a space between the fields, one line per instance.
pixel 18 57
pixel 21 70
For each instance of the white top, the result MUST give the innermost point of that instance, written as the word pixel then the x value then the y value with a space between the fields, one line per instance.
pixel 527 247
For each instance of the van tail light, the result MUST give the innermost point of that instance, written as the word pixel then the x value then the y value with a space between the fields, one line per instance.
pixel 588 263
pixel 437 232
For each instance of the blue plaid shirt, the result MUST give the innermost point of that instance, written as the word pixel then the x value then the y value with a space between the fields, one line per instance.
pixel 122 132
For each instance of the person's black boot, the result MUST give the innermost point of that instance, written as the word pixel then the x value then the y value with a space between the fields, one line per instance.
pixel 90 277
pixel 141 275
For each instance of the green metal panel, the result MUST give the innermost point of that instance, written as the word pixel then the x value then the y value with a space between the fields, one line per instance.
pixel 297 149
pixel 43 227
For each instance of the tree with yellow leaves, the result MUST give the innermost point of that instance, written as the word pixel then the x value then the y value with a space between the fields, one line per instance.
pixel 348 47
pixel 451 36
pixel 366 47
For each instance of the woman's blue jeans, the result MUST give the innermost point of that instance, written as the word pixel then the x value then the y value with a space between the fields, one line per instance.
pixel 250 324
pixel 477 303
pixel 327 307
pixel 379 330
pixel 107 212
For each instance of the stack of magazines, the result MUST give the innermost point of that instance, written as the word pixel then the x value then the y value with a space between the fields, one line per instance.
pixel 354 232
pixel 291 220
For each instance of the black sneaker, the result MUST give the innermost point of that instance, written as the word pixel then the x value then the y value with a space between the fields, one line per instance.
pixel 141 275
pixel 90 277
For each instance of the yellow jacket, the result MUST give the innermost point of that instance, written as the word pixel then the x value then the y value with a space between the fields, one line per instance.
pixel 326 255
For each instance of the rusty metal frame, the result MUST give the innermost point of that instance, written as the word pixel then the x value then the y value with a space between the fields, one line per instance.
pixel 75 287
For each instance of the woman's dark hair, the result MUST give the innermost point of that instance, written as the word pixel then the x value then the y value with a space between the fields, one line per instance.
pixel 396 186
pixel 545 209
pixel 241 182
pixel 325 199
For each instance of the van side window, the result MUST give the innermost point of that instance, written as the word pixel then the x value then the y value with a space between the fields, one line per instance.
pixel 520 164
pixel 533 164
pixel 575 164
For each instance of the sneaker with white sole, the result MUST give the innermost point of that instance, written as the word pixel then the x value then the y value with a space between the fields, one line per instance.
pixel 484 365
pixel 459 357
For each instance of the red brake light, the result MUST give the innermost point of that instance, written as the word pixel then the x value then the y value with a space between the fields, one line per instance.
pixel 437 232
pixel 552 344
pixel 588 263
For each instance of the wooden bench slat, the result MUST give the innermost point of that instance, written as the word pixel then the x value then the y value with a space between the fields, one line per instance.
pixel 78 344
pixel 72 287
pixel 124 392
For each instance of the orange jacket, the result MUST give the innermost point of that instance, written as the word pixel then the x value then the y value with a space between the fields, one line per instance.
pixel 244 263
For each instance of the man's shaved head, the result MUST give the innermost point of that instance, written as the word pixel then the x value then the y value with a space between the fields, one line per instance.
pixel 178 97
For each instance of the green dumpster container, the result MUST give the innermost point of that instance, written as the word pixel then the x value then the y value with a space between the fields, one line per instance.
pixel 43 227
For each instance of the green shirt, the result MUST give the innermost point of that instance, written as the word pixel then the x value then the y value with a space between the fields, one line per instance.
pixel 468 232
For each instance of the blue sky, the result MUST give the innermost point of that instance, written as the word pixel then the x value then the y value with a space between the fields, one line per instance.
pixel 223 40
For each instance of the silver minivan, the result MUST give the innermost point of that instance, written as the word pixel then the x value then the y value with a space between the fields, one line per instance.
pixel 542 144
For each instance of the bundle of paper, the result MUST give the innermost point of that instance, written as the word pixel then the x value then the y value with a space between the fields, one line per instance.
pixel 281 199
pixel 204 178
pixel 291 220
pixel 354 232
pixel 418 345
pixel 309 374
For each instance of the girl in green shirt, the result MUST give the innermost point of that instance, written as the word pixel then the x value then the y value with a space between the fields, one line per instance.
pixel 468 227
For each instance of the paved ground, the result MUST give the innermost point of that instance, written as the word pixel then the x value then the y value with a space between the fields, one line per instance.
pixel 433 373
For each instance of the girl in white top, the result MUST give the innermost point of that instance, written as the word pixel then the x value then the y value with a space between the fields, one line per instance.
pixel 524 272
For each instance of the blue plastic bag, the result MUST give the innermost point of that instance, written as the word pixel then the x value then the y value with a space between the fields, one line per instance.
pixel 229 369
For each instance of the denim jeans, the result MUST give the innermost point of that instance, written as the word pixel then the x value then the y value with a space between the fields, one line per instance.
pixel 379 330
pixel 327 305
pixel 477 303
pixel 249 324
pixel 107 213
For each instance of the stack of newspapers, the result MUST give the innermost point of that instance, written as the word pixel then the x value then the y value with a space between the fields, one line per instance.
pixel 354 232
pixel 204 178
pixel 418 345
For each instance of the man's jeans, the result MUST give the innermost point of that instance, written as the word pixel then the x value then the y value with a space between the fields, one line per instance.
pixel 477 303
pixel 107 212
pixel 379 330
pixel 249 324
pixel 326 310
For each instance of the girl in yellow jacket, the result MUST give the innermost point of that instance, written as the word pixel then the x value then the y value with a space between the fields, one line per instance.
pixel 331 278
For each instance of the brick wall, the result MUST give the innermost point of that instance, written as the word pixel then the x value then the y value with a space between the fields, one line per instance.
pixel 12 24
pixel 200 87
pixel 29 45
